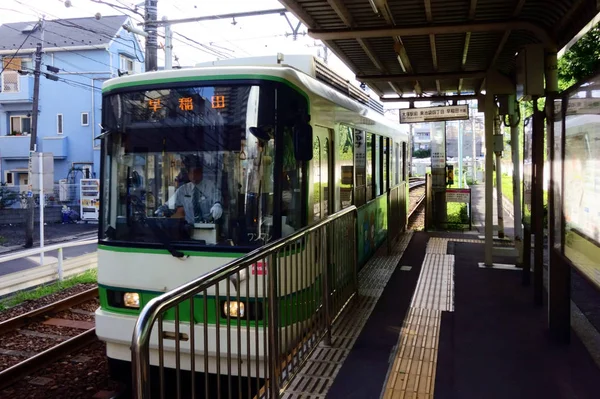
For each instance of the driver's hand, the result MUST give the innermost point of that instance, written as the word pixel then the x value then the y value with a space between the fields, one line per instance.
pixel 216 211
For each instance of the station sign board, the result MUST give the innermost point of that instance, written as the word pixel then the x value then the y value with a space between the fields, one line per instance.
pixel 433 114
pixel 458 195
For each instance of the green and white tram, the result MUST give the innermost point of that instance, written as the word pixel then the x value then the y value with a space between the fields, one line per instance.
pixel 275 148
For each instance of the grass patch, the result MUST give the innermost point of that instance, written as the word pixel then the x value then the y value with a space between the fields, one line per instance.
pixel 90 276
pixel 456 215
pixel 2 240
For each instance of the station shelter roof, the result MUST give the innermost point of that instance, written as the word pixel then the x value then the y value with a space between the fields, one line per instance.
pixel 438 47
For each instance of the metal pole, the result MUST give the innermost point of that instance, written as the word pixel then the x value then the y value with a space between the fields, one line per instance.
pixel 489 175
pixel 151 15
pixel 499 202
pixel 460 153
pixel 273 327
pixel 32 146
pixel 168 46
pixel 498 152
pixel 60 264
pixel 474 145
pixel 40 157
pixel 514 143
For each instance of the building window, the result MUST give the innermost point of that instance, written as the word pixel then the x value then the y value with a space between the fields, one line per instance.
pixel 59 123
pixel 9 179
pixel 10 76
pixel 126 64
pixel 85 119
pixel 20 125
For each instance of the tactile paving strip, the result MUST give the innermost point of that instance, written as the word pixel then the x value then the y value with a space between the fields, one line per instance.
pixel 318 373
pixel 412 374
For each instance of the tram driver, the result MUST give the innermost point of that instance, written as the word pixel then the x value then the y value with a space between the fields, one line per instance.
pixel 199 200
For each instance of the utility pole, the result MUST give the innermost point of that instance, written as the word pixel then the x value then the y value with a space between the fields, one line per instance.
pixel 32 147
pixel 150 27
pixel 168 46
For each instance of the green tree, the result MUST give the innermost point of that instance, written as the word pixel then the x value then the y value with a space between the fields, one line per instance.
pixel 581 60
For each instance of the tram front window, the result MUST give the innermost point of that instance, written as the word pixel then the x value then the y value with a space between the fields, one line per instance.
pixel 189 166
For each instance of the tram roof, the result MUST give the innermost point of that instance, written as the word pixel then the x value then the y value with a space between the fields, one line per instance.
pixel 437 47
pixel 319 93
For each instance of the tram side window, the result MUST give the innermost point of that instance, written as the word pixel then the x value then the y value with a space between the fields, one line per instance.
pixel 360 194
pixel 370 166
pixel 397 163
pixel 291 109
pixel 377 169
pixel 385 164
pixel 316 174
pixel 404 165
pixel 344 165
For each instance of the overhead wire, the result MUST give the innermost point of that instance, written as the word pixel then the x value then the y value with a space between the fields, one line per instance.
pixel 5 65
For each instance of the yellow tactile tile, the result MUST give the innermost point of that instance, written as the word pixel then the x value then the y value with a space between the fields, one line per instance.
pixel 413 372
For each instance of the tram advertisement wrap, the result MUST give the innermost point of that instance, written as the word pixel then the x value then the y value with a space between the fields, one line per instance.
pixel 582 181
pixel 372 227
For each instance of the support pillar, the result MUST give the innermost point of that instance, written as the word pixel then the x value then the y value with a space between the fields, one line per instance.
pixel 498 147
pixel 559 273
pixel 514 117
pixel 537 199
pixel 490 109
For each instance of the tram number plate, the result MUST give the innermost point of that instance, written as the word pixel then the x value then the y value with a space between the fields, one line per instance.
pixel 259 268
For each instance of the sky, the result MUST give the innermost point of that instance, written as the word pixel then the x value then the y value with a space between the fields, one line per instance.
pixel 249 36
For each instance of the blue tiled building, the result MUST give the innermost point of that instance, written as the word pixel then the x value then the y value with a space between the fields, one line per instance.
pixel 81 53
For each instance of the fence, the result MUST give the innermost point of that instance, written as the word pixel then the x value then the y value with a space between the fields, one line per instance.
pixel 15 197
pixel 258 317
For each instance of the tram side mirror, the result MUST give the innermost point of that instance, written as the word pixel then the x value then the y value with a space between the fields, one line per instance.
pixel 303 142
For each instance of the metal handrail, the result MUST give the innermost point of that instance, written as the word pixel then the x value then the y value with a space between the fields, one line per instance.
pixel 37 251
pixel 55 247
pixel 150 313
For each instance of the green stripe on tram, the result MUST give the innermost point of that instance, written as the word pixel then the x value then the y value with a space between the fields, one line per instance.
pixel 156 251
pixel 191 79
pixel 294 307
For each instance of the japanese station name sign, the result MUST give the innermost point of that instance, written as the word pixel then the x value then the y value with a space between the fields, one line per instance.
pixel 458 195
pixel 433 114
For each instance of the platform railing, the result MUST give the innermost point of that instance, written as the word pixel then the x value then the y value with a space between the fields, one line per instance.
pixel 39 251
pixel 255 320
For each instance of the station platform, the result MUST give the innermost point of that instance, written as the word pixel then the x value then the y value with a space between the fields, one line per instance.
pixel 430 322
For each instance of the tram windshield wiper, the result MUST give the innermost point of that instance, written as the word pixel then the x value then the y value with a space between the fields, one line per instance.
pixel 162 236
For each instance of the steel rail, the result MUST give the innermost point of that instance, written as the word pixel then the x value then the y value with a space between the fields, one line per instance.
pixel 34 363
pixel 417 205
pixel 63 304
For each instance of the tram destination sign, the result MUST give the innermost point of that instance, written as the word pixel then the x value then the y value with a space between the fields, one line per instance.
pixel 433 114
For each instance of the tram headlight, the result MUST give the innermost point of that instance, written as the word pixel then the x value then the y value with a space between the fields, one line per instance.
pixel 234 309
pixel 131 300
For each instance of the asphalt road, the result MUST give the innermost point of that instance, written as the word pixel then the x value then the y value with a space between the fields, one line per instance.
pixel 33 261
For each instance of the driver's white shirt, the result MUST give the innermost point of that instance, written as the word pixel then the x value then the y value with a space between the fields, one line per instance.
pixel 209 194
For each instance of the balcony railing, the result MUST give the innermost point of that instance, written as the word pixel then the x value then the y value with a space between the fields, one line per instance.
pixel 16 88
pixel 14 147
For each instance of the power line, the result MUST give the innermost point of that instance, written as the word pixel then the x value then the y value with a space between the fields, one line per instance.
pixel 17 52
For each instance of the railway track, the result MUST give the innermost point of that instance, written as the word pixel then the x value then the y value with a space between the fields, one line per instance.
pixel 417 196
pixel 41 336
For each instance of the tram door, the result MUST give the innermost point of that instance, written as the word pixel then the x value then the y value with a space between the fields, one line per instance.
pixel 322 169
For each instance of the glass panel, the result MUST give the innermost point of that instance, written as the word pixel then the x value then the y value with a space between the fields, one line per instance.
pixel 370 158
pixel 377 166
pixel 345 168
pixel 557 174
pixel 325 177
pixel 15 124
pixel 26 125
pixel 385 164
pixel 582 180
pixel 193 165
pixel 316 168
pixel 360 148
